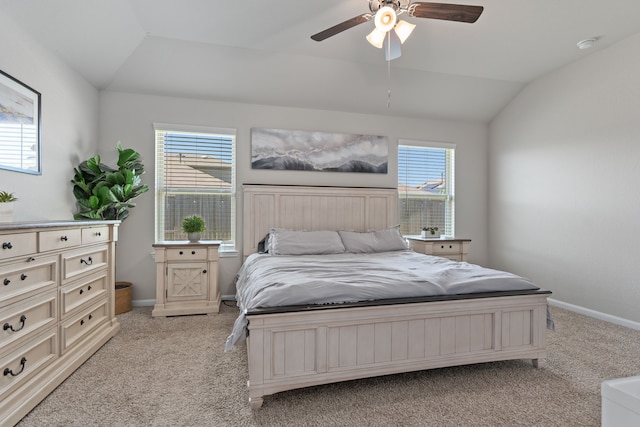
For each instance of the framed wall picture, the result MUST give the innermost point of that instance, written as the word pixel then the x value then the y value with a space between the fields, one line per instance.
pixel 20 148
pixel 283 149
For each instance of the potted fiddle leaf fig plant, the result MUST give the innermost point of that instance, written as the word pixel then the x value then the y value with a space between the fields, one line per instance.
pixel 194 227
pixel 107 193
pixel 7 200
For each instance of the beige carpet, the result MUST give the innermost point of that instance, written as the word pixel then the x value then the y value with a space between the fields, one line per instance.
pixel 173 372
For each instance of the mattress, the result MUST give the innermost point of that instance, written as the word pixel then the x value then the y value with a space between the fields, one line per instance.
pixel 266 281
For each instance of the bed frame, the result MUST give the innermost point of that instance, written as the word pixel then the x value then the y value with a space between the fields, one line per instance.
pixel 295 347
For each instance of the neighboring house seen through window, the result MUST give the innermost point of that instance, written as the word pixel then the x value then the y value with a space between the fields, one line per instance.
pixel 426 187
pixel 195 175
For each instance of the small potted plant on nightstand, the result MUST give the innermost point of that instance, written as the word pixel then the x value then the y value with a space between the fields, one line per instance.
pixel 7 201
pixel 193 226
pixel 430 233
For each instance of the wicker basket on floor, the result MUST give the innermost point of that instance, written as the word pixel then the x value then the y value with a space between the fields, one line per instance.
pixel 123 297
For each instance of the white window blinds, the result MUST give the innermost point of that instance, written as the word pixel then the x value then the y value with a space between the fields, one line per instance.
pixel 426 188
pixel 195 175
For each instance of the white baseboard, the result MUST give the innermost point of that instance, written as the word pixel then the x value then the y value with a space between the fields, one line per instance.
pixel 143 302
pixel 596 314
pixel 152 302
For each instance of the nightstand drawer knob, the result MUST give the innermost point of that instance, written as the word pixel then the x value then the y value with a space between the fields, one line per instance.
pixel 88 261
pixel 204 271
pixel 6 282
pixel 64 238
pixel 7 245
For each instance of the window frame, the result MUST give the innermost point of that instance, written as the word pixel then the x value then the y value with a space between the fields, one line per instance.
pixel 448 197
pixel 159 193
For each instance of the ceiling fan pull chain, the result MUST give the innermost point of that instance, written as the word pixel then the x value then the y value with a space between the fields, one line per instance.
pixel 389 90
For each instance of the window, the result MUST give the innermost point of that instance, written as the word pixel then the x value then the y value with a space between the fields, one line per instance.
pixel 195 174
pixel 426 187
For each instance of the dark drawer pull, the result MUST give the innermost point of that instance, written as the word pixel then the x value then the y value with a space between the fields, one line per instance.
pixel 204 271
pixel 193 252
pixel 180 252
pixel 23 276
pixel 6 326
pixel 8 371
pixel 64 238
pixel 6 282
pixel 81 291
pixel 7 245
pixel 98 234
pixel 31 259
pixel 88 261
pixel 82 322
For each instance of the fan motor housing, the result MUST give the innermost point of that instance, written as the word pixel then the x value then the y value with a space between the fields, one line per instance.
pixel 375 5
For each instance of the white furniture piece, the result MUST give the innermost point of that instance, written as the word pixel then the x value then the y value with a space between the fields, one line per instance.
pixel 446 247
pixel 323 344
pixel 57 287
pixel 621 402
pixel 186 278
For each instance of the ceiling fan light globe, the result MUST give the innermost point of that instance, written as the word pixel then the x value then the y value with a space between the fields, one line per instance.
pixel 404 29
pixel 376 38
pixel 385 19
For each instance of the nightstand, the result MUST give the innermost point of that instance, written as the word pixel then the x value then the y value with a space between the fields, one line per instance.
pixel 446 247
pixel 186 278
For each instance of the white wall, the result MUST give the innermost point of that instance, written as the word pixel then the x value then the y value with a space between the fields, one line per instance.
pixel 129 117
pixel 69 117
pixel 564 162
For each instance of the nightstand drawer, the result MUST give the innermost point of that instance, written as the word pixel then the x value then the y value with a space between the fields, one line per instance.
pixel 75 329
pixel 77 294
pixel 446 248
pixel 95 235
pixel 58 239
pixel 84 261
pixel 25 317
pixel 26 361
pixel 12 245
pixel 187 254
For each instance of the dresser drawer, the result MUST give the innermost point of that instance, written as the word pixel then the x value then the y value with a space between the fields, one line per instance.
pixel 27 317
pixel 83 261
pixel 13 245
pixel 95 235
pixel 77 294
pixel 446 248
pixel 20 278
pixel 58 239
pixel 25 361
pixel 187 254
pixel 80 326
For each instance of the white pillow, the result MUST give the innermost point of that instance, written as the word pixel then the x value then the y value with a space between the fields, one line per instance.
pixel 373 241
pixel 290 242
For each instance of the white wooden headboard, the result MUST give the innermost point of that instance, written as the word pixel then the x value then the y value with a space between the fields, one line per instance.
pixel 314 208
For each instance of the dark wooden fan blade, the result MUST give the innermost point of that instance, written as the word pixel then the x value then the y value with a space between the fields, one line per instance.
pixel 447 12
pixel 349 23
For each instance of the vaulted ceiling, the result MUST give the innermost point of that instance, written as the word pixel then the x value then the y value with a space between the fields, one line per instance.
pixel 261 52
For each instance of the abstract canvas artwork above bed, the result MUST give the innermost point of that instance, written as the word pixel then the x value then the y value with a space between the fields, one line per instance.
pixel 282 149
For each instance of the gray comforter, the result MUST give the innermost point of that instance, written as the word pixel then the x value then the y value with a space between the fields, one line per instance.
pixel 272 281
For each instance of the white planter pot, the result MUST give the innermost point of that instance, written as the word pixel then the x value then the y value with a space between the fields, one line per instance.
pixel 194 237
pixel 428 235
pixel 6 212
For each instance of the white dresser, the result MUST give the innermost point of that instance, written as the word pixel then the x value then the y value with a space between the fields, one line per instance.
pixel 57 287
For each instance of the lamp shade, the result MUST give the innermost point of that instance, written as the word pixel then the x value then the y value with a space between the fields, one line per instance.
pixel 403 29
pixel 376 38
pixel 385 18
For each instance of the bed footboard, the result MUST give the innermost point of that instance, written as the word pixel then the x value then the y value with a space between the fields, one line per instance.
pixel 301 349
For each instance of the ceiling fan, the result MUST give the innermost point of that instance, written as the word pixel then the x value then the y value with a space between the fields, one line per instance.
pixel 385 15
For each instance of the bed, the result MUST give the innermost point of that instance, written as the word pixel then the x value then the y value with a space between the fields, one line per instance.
pixel 293 341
